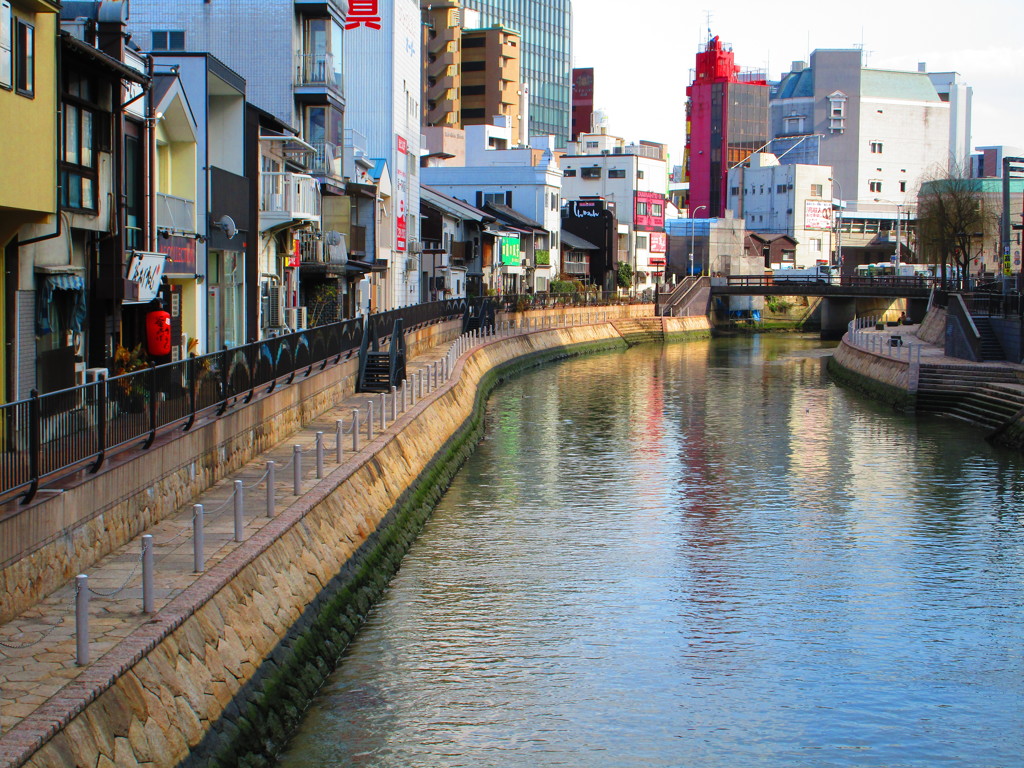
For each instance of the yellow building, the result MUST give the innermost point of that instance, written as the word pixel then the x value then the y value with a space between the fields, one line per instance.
pixel 28 124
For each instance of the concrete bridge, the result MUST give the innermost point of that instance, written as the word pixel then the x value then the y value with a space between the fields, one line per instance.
pixel 843 298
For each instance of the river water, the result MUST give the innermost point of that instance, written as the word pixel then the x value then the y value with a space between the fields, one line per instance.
pixel 703 554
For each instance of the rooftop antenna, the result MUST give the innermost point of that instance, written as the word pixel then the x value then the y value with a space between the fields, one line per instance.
pixel 707 16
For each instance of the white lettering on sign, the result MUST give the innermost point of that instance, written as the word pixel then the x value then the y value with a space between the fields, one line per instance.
pixel 147 269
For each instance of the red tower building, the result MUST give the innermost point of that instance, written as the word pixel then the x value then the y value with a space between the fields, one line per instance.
pixel 726 120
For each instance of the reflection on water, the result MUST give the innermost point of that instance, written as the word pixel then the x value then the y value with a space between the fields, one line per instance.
pixel 698 555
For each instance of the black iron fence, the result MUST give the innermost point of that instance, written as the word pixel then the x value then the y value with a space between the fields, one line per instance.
pixel 51 436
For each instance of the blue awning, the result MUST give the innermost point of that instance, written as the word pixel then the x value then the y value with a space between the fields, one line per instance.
pixel 66 282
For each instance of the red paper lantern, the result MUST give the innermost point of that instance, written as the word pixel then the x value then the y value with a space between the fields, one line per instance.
pixel 158 333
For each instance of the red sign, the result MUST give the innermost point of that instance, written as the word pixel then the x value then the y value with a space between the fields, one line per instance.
pixel 659 243
pixel 363 13
pixel 403 145
pixel 649 213
pixel 180 253
pixel 296 258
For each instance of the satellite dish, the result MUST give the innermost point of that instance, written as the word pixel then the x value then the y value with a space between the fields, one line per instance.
pixel 227 224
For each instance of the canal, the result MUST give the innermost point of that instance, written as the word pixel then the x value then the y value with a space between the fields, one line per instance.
pixel 703 554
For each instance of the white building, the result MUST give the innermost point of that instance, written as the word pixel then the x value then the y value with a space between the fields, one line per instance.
pixel 634 178
pixel 795 200
pixel 882 131
pixel 521 187
pixel 382 87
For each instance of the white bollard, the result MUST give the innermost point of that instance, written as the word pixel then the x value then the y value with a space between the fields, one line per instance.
pixel 319 455
pixel 369 420
pixel 81 619
pixel 339 453
pixel 197 538
pixel 270 488
pixel 297 470
pixel 148 598
pixel 355 430
pixel 239 519
pixel 394 402
pixel 383 411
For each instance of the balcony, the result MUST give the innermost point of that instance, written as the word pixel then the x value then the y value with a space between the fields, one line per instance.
pixel 326 160
pixel 176 214
pixel 288 197
pixel 316 70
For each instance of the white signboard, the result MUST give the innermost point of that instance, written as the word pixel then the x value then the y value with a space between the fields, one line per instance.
pixel 147 269
pixel 817 214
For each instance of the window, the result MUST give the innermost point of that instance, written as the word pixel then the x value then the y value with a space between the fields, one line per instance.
pixel 473 42
pixel 780 188
pixel 591 145
pixel 903 186
pixel 656 209
pixel 616 173
pixel 553 201
pixel 639 174
pixel 641 242
pixel 6 44
pixel 590 173
pixel 876 147
pixel 641 208
pixel 817 190
pixel 473 66
pixel 815 245
pixel 474 90
pixel 874 186
pixel 569 172
pixel 734 191
pixel 474 112
pixel 794 124
pixel 168 40
pixel 494 198
pixel 25 60
pixel 837 112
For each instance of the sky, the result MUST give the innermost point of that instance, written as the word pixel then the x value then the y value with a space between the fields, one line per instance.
pixel 642 52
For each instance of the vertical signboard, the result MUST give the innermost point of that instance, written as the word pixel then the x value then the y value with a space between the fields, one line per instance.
pixel 582 100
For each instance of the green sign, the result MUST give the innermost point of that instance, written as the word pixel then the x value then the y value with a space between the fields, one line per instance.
pixel 510 251
pixel 543 258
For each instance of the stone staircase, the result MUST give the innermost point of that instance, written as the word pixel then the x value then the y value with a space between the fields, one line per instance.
pixel 640 330
pixel 991 349
pixel 988 397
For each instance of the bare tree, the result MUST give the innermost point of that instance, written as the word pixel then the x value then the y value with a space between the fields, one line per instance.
pixel 951 218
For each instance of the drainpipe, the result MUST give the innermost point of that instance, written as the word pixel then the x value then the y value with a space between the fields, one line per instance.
pixel 150 165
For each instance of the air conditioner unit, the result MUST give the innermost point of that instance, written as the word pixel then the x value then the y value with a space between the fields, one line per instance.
pixel 295 318
pixel 275 310
pixel 415 246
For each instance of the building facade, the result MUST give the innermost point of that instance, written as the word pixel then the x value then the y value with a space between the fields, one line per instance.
pixel 632 179
pixel 882 131
pixel 546 30
pixel 726 121
pixel 794 200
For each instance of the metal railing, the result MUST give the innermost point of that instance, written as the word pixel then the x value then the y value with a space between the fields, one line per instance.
pixel 289 196
pixel 862 333
pixel 53 435
pixel 316 69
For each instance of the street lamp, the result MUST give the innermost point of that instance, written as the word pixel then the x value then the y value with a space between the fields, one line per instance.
pixel 693 231
pixel 839 224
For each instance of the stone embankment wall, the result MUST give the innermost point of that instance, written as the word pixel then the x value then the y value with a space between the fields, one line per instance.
pixel 883 378
pixel 222 673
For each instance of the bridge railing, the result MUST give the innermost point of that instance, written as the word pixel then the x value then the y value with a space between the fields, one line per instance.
pixel 765 281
